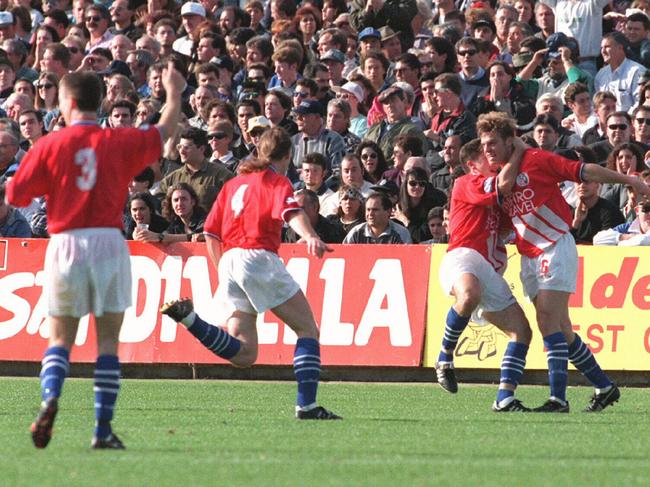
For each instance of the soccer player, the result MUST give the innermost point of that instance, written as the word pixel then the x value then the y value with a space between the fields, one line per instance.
pixel 542 220
pixel 472 271
pixel 243 236
pixel 84 172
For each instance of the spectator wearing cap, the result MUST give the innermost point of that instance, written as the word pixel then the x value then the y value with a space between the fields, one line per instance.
pixel 397 122
pixel 391 45
pixel 338 120
pixel 97 20
pixel 452 117
pixel 486 30
pixel 378 227
pixel 506 95
pixel 285 61
pixel 335 62
pixel 329 231
pixel 474 79
pixel 583 21
pixel 220 137
pixel 312 136
pixel 353 93
pixel 256 128
pixel 192 14
pixel 7 26
pixel 313 173
pixel 396 14
pixel 560 61
pixel 582 117
pixel 369 39
pixel 207 179
pixel 122 15
pixel 620 75
pixel 350 210
pixel 637 30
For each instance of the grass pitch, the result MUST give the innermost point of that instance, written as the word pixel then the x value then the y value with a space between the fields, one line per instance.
pixel 195 433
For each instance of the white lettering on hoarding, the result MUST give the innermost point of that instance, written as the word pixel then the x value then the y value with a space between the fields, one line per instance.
pixel 332 330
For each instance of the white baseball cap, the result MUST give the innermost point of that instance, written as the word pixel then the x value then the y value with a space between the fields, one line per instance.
pixel 193 8
pixel 6 18
pixel 351 87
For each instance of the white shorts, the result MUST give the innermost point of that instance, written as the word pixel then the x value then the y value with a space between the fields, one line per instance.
pixel 495 292
pixel 254 280
pixel 554 270
pixel 87 271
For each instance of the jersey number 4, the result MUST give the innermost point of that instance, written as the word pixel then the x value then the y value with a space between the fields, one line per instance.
pixel 88 162
pixel 237 202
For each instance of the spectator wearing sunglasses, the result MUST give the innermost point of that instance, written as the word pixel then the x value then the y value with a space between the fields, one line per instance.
pixel 473 78
pixel 618 130
pixel 641 124
pixel 219 139
pixel 97 20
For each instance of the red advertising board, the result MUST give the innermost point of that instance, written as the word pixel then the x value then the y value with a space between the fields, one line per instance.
pixel 369 301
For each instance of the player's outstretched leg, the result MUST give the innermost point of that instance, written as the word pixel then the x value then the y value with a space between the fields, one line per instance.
pixel 106 387
pixel 54 368
pixel 454 327
pixel 606 392
pixel 215 339
pixel 557 353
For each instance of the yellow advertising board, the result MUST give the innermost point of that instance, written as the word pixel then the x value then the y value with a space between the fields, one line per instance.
pixel 610 310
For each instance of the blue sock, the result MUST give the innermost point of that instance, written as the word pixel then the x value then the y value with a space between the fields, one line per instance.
pixel 557 353
pixel 306 367
pixel 54 369
pixel 512 368
pixel 106 387
pixel 583 360
pixel 453 330
pixel 215 339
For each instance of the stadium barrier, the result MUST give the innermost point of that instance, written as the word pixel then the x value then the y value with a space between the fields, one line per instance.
pixel 370 302
pixel 375 305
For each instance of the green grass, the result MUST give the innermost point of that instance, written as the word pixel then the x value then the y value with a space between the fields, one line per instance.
pixel 187 433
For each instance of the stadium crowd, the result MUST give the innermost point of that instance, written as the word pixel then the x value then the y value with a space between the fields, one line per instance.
pixel 380 97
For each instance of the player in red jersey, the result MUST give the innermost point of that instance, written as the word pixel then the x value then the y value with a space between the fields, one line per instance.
pixel 549 261
pixel 243 236
pixel 84 172
pixel 471 271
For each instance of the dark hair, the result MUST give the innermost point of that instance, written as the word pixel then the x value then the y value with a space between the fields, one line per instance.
pixel 317 159
pixel 382 165
pixel 249 102
pixel 310 84
pixel 634 149
pixel 85 88
pixel 386 203
pixel 262 44
pixel 283 98
pixel 470 150
pixel 146 176
pixel 409 143
pixel 546 119
pixel 573 90
pixel 123 103
pixel 227 106
pixel 168 211
pixel 450 81
pixel 197 136
pixel 416 212
pixel 410 59
pixel 59 53
pixel 443 46
pixel 639 17
pixel 218 42
pixel 375 54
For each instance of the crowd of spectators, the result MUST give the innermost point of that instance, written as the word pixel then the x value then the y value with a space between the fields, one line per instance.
pixel 380 97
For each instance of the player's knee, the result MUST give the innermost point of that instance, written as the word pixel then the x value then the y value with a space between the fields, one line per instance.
pixel 523 334
pixel 467 300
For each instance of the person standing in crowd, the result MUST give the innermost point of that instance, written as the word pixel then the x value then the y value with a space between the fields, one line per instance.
pixel 87 255
pixel 243 236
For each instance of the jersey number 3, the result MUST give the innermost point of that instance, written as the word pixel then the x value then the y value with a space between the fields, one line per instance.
pixel 237 202
pixel 88 162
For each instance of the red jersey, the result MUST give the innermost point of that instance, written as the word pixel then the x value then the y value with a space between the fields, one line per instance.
pixel 539 213
pixel 250 210
pixel 475 218
pixel 84 172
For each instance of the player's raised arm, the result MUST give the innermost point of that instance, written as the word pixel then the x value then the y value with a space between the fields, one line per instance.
pixel 299 221
pixel 598 174
pixel 174 84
